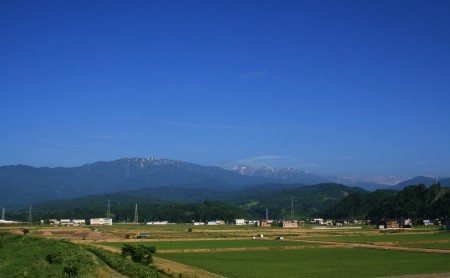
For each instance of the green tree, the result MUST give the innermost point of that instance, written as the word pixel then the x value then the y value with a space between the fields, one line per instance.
pixel 139 253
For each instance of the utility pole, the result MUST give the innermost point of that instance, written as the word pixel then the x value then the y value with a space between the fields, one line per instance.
pixel 30 217
pixel 292 208
pixel 136 219
pixel 108 212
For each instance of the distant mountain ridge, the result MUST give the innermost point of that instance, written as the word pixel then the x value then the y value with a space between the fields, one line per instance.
pixel 22 184
pixel 427 181
pixel 291 175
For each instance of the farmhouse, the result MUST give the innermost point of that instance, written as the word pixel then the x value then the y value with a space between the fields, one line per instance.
pixel 406 223
pixel 216 222
pixel 388 224
pixel 79 221
pixel 157 223
pixel 239 221
pixel 288 224
pixel 66 222
pixel 427 222
pixel 54 222
pixel 101 221
pixel 264 223
pixel 318 221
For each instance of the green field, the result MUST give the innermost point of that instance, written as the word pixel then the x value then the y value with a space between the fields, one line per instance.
pixel 213 244
pixel 433 245
pixel 329 262
pixel 400 237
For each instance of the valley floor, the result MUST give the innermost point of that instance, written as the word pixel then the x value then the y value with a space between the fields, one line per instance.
pixel 230 251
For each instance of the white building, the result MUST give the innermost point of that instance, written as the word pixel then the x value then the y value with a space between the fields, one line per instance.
pixel 428 222
pixel 239 221
pixel 158 223
pixel 101 221
pixel 65 222
pixel 216 222
pixel 54 222
pixel 318 221
pixel 79 222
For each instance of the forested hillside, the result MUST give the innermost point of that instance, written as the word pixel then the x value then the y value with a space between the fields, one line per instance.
pixel 182 205
pixel 417 201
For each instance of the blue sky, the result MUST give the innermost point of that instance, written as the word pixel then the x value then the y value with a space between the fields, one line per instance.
pixel 349 88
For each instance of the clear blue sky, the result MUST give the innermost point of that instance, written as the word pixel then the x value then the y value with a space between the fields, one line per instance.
pixel 350 88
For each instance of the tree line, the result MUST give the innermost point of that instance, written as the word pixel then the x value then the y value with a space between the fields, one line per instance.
pixel 415 202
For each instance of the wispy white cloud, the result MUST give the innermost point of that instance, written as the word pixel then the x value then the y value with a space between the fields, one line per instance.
pixel 256 73
pixel 263 159
pixel 279 161
pixel 195 125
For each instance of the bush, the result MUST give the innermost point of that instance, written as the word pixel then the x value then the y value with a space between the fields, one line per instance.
pixel 123 265
pixel 140 253
pixel 54 257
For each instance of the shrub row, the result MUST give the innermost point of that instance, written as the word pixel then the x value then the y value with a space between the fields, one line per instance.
pixel 123 265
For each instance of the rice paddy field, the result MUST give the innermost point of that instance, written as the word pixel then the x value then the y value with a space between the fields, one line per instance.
pixel 332 262
pixel 380 237
pixel 231 251
pixel 216 244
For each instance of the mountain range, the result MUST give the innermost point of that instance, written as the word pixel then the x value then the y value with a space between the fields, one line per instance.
pixel 22 184
pixel 182 181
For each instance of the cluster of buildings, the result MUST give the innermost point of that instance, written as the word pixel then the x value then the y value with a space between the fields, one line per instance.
pixel 257 223
pixel 158 223
pixel 407 223
pixel 80 222
pixel 384 224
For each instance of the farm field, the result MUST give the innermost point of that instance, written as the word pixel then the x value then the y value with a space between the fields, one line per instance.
pixel 432 245
pixel 395 237
pixel 230 251
pixel 213 244
pixel 331 262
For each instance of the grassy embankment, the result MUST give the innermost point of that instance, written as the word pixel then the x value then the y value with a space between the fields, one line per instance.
pixel 27 256
pixel 24 256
